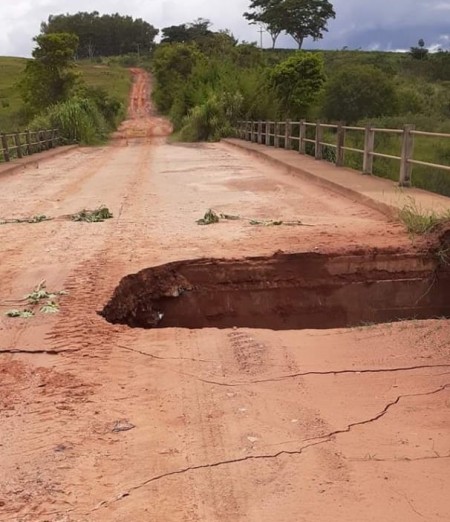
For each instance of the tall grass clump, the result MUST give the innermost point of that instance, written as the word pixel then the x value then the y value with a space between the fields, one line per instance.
pixel 212 120
pixel 78 119
pixel 419 221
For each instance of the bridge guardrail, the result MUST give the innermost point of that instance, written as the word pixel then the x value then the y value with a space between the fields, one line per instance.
pixel 273 133
pixel 25 143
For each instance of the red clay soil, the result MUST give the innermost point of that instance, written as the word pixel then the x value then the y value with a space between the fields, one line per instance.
pixel 102 422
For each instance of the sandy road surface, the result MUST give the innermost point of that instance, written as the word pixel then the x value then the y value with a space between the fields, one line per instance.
pixel 226 425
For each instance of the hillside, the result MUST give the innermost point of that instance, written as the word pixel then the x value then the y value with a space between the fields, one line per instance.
pixel 113 78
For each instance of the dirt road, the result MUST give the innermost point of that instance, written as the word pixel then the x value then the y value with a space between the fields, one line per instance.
pixel 102 422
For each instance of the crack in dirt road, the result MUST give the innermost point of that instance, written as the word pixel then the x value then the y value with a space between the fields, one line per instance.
pixel 284 377
pixel 33 352
pixel 401 459
pixel 323 439
pixel 153 356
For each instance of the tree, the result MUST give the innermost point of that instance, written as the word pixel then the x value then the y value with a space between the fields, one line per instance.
pixel 267 13
pixel 185 33
pixel 299 18
pixel 306 18
pixel 420 52
pixel 50 77
pixel 298 82
pixel 172 67
pixel 358 92
pixel 106 35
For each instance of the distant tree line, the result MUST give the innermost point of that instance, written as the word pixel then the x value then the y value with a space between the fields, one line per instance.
pixel 106 35
pixel 198 32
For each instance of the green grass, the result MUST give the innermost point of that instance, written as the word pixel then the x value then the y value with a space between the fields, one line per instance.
pixel 10 101
pixel 419 221
pixel 114 79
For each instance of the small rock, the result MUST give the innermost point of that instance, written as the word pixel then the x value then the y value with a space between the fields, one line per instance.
pixel 122 425
pixel 252 439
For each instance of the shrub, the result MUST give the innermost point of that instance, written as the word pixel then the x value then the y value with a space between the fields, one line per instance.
pixel 298 82
pixel 359 92
pixel 78 120
pixel 213 119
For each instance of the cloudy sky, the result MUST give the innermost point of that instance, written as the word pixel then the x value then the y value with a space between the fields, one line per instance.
pixel 369 24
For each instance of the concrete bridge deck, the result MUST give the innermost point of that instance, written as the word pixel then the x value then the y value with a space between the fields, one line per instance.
pixel 380 194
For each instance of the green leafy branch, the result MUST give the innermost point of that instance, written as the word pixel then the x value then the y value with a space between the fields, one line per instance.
pixel 39 297
pixel 211 217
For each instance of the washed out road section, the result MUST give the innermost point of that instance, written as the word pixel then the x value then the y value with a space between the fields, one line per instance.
pixel 102 422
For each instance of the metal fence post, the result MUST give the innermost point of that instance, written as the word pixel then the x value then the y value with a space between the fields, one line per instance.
pixel 340 144
pixel 319 140
pixel 407 155
pixel 287 135
pixel 6 155
pixel 369 146
pixel 302 136
pixel 277 135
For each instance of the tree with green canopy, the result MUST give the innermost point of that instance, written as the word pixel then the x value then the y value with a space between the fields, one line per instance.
pixel 50 77
pixel 300 19
pixel 298 82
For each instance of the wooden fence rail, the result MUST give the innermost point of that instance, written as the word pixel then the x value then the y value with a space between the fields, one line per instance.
pixel 20 144
pixel 293 136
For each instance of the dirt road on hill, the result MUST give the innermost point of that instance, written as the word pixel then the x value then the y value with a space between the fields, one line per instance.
pixel 101 422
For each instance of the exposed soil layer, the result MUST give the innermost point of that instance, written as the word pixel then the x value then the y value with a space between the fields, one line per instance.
pixel 284 292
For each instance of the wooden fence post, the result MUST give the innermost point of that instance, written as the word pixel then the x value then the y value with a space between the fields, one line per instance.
pixel 302 136
pixel 28 140
pixel 287 135
pixel 268 130
pixel 277 135
pixel 259 132
pixel 340 144
pixel 18 144
pixel 319 140
pixel 6 155
pixel 407 154
pixel 369 146
pixel 54 138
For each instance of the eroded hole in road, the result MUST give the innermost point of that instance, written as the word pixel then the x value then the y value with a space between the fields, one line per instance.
pixel 284 292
